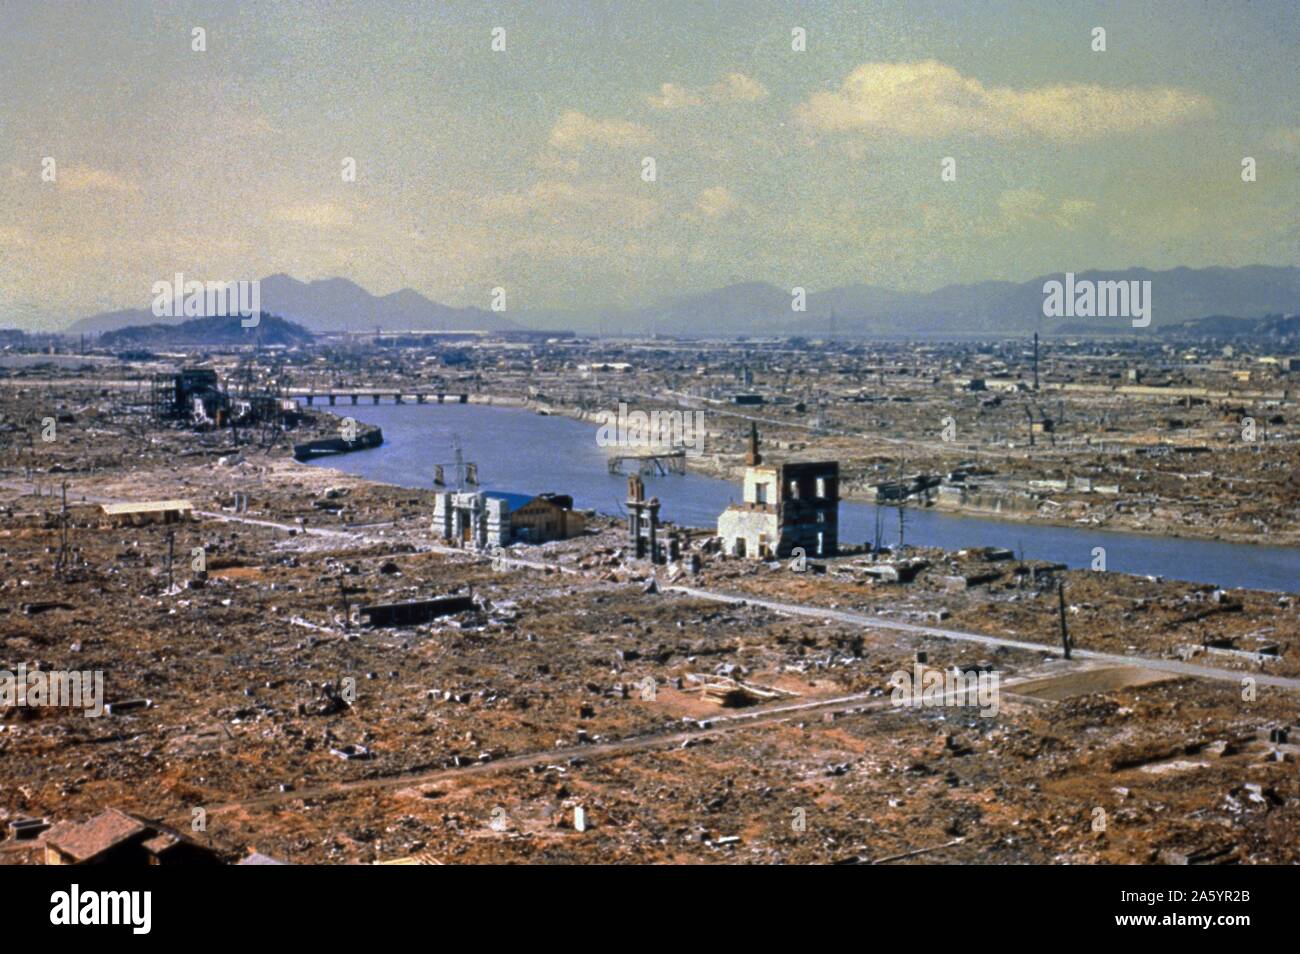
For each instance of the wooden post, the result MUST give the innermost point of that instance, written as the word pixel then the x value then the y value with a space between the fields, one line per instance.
pixel 1065 632
pixel 171 541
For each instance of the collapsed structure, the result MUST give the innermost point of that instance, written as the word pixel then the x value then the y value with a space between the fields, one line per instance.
pixel 786 506
pixel 488 518
pixel 115 837
pixel 642 521
pixel 195 395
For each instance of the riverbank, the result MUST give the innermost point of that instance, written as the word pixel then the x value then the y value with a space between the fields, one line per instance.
pixel 732 469
pixel 562 457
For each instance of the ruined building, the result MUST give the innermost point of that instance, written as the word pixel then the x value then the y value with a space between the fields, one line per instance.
pixel 473 520
pixel 120 838
pixel 785 506
pixel 642 522
pixel 546 517
pixel 488 518
pixel 188 393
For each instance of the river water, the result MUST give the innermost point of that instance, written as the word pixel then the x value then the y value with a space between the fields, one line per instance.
pixel 523 452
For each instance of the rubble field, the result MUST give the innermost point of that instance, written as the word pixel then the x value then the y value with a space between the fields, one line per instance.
pixel 243 682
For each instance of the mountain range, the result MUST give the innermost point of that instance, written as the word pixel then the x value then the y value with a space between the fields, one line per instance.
pixel 330 304
pixel 1224 326
pixel 758 309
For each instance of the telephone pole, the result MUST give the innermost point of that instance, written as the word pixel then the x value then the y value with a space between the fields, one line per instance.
pixel 171 543
pixel 1035 361
pixel 1065 632
pixel 61 565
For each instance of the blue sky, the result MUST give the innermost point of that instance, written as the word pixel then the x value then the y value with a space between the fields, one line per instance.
pixel 522 168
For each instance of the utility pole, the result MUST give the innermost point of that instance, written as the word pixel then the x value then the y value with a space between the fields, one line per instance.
pixel 61 566
pixel 171 542
pixel 1035 361
pixel 1065 632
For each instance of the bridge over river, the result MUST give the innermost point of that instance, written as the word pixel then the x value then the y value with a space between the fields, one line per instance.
pixel 357 395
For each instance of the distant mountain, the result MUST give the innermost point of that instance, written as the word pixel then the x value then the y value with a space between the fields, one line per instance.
pixel 759 309
pixel 1223 326
pixel 752 308
pixel 208 332
pixel 337 304
pixel 1280 326
pixel 111 320
pixel 330 304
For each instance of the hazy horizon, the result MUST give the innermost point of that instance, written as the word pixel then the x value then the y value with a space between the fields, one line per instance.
pixel 522 168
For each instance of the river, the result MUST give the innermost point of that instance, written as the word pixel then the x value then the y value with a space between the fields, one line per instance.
pixel 520 451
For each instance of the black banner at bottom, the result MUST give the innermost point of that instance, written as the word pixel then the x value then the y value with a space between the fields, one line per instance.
pixel 303 903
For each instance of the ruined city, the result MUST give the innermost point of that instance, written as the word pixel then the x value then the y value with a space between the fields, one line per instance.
pixel 304 665
pixel 594 433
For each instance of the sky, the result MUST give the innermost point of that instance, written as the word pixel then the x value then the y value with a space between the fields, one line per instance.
pixel 524 168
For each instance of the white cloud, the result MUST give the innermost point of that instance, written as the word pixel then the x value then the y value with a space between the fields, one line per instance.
pixel 737 88
pixel 929 98
pixel 540 196
pixel 1022 207
pixel 672 96
pixel 575 130
pixel 732 88
pixel 1073 212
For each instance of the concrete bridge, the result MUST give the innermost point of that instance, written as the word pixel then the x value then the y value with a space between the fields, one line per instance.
pixel 376 395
